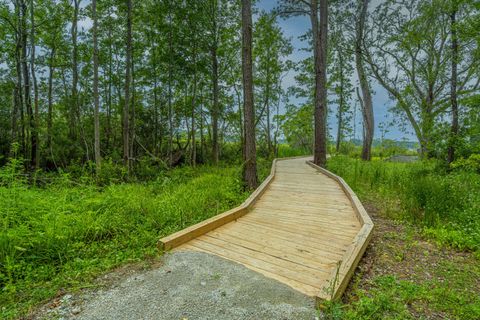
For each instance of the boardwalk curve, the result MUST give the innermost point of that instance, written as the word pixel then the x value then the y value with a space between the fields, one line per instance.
pixel 303 227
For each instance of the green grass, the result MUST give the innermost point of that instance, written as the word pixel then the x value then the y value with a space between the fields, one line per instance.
pixel 446 205
pixel 66 233
pixel 410 278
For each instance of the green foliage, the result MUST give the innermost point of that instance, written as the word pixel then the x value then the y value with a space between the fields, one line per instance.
pixel 472 163
pixel 67 232
pixel 447 205
pixel 391 298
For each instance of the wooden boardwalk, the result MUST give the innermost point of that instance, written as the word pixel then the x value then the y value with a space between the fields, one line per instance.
pixel 303 227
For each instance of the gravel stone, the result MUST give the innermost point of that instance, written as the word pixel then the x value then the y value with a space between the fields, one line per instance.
pixel 194 285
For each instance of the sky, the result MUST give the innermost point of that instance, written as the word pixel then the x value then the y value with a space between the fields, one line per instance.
pixel 297 26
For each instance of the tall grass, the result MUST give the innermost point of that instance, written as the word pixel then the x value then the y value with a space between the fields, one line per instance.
pixel 445 204
pixel 64 234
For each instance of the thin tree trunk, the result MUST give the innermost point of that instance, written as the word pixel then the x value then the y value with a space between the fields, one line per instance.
pixel 51 71
pixel 170 76
pixel 18 85
pixel 453 87
pixel 74 110
pixel 250 166
pixel 98 159
pixel 26 85
pixel 194 103
pixel 133 111
pixel 340 104
pixel 35 142
pixel 367 106
pixel 320 30
pixel 128 69
pixel 110 81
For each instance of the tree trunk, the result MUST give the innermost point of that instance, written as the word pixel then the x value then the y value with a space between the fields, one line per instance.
pixel 340 104
pixel 367 109
pixel 133 111
pixel 320 62
pixel 19 80
pixel 170 78
pixel 51 71
pixel 250 167
pixel 128 76
pixel 98 161
pixel 74 110
pixel 194 103
pixel 453 87
pixel 35 147
pixel 215 107
pixel 26 84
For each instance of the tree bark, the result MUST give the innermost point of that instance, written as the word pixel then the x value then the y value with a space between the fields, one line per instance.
pixel 51 71
pixel 26 84
pixel 215 88
pixel 128 76
pixel 367 106
pixel 320 31
pixel 340 103
pixel 98 160
pixel 170 79
pixel 19 80
pixel 453 87
pixel 35 128
pixel 250 167
pixel 74 110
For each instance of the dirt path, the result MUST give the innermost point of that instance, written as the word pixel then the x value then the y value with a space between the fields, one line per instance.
pixel 188 286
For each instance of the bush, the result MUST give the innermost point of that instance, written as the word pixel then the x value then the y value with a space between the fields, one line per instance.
pixel 472 163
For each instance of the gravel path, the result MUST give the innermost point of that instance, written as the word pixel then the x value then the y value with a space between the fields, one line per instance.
pixel 192 285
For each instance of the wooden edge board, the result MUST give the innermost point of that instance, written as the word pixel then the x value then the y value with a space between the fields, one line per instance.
pixel 343 273
pixel 192 232
pixel 362 214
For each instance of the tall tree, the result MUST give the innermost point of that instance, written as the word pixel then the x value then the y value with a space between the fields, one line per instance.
pixel 250 163
pixel 413 42
pixel 320 60
pixel 36 123
pixel 75 108
pixel 366 98
pixel 318 14
pixel 453 81
pixel 128 80
pixel 96 98
pixel 215 87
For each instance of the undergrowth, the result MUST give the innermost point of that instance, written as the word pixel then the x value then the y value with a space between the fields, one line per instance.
pixel 65 233
pixel 445 204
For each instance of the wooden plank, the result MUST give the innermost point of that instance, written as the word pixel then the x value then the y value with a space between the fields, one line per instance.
pixel 309 217
pixel 268 263
pixel 276 242
pixel 314 221
pixel 322 241
pixel 322 249
pixel 313 232
pixel 180 237
pixel 270 250
pixel 338 212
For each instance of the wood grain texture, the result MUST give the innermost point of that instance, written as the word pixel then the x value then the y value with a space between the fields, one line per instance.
pixel 303 226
